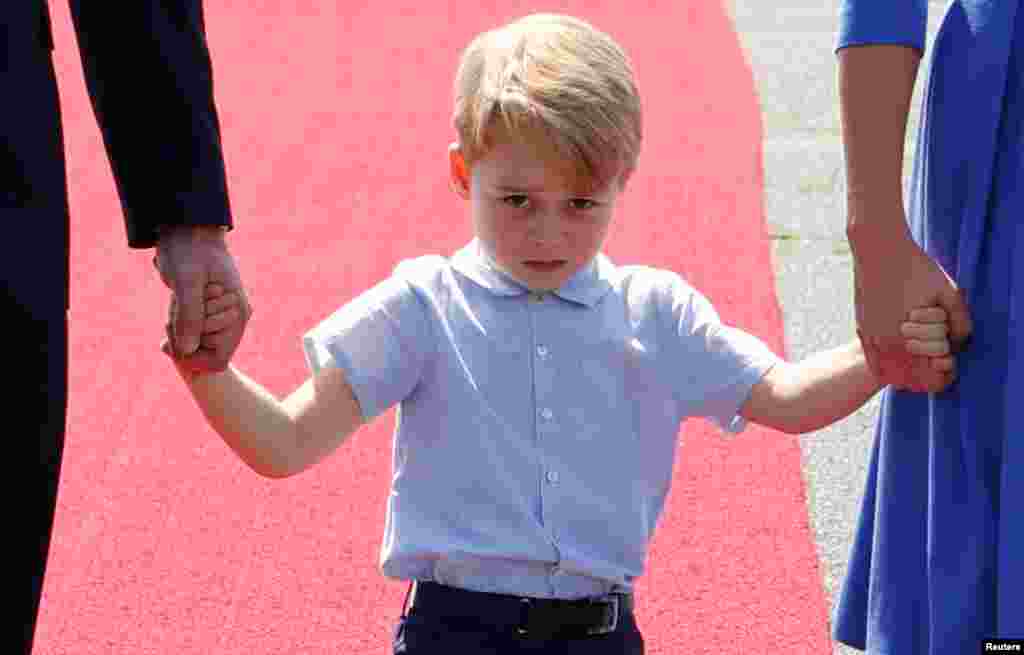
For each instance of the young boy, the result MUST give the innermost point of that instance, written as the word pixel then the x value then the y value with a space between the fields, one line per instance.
pixel 541 387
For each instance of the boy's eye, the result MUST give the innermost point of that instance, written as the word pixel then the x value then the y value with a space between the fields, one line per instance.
pixel 518 201
pixel 582 203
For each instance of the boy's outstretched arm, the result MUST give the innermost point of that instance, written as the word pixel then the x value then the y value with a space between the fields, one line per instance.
pixel 831 385
pixel 275 438
pixel 807 396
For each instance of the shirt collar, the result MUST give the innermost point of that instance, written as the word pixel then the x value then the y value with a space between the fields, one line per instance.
pixel 586 286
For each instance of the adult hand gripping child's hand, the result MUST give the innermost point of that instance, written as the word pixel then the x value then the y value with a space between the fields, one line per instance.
pixel 926 336
pixel 223 311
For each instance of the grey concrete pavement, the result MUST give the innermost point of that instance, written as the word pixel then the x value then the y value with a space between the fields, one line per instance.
pixel 789 46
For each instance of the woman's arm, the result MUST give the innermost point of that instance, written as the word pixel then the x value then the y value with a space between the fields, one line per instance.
pixel 892 274
pixel 876 84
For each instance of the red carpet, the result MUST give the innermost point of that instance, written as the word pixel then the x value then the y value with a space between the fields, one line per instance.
pixel 336 124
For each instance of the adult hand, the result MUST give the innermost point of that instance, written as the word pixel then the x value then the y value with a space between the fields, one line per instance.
pixel 893 276
pixel 188 258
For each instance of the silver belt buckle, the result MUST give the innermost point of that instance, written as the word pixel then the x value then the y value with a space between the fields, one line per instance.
pixel 524 616
pixel 607 626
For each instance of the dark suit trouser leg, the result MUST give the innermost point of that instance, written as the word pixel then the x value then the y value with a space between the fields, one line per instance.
pixel 40 396
pixel 33 319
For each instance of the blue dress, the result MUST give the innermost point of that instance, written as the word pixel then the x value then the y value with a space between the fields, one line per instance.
pixel 938 556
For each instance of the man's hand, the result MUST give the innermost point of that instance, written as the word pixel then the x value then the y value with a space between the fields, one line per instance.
pixel 222 312
pixel 892 277
pixel 188 259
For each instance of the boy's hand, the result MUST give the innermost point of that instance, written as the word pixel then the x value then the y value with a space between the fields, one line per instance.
pixel 223 310
pixel 926 336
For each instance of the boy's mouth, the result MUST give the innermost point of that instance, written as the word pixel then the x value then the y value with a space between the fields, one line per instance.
pixel 544 265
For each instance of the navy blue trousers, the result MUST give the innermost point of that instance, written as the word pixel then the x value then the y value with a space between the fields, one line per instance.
pixel 465 626
pixel 33 307
pixel 39 350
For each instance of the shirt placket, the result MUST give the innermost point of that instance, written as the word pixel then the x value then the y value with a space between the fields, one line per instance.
pixel 546 408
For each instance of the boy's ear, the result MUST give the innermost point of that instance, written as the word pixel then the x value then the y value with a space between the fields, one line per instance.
pixel 625 177
pixel 458 170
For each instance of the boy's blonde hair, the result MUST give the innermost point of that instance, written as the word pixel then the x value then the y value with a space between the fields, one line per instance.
pixel 557 78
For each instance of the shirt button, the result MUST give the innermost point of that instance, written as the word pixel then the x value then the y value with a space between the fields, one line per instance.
pixel 553 477
pixel 546 414
pixel 542 351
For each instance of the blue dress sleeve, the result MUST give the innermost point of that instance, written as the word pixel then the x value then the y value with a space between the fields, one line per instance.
pixel 894 22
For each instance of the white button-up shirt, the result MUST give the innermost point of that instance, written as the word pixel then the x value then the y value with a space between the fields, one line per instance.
pixel 536 433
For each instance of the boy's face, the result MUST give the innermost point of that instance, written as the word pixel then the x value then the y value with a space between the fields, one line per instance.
pixel 527 217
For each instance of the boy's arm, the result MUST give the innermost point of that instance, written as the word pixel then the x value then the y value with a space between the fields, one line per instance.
pixel 277 439
pixel 822 389
pixel 829 386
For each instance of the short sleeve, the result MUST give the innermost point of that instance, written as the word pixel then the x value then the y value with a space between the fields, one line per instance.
pixel 894 22
pixel 720 364
pixel 381 339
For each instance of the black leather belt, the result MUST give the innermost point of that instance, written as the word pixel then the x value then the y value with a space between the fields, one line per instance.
pixel 527 617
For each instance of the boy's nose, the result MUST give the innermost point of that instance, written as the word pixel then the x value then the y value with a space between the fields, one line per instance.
pixel 544 229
